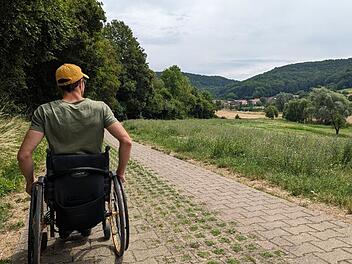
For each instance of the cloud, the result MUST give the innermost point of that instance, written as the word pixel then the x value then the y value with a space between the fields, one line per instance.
pixel 236 38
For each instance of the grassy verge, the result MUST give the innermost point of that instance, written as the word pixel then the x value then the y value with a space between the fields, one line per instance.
pixel 11 180
pixel 185 228
pixel 303 159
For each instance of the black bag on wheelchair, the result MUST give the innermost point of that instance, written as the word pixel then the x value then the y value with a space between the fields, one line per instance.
pixel 77 189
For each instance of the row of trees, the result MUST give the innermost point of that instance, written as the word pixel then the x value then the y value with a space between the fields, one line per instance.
pixel 38 36
pixel 321 106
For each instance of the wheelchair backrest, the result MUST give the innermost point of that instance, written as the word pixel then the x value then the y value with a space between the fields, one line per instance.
pixel 77 178
pixel 77 186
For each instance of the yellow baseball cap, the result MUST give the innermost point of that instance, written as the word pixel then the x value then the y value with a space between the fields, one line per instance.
pixel 69 73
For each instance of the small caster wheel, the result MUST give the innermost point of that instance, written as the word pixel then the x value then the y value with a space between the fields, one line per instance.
pixel 107 231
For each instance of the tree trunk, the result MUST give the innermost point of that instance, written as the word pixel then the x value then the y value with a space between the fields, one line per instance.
pixel 337 129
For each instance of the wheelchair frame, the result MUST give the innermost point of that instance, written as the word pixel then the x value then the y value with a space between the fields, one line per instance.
pixel 116 212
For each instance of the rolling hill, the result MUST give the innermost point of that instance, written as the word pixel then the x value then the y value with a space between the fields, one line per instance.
pixel 212 84
pixel 334 74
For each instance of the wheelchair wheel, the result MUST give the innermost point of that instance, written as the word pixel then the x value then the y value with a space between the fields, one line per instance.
pixel 35 224
pixel 127 224
pixel 117 219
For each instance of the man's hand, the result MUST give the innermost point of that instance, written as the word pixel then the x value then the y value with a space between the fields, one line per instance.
pixel 121 177
pixel 29 186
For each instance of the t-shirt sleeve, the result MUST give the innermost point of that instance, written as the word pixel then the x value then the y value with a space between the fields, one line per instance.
pixel 109 117
pixel 38 120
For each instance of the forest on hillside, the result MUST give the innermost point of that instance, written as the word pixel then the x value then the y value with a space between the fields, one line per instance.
pixel 38 36
pixel 333 74
pixel 212 84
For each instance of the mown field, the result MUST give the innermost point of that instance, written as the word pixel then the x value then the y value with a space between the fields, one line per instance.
pixel 307 160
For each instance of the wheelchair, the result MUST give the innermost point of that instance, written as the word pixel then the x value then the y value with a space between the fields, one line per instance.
pixel 77 193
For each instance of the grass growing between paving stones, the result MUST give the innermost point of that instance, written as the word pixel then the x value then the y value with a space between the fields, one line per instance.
pixel 306 160
pixel 190 232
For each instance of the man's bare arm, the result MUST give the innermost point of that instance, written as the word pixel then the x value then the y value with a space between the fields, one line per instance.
pixel 24 156
pixel 117 130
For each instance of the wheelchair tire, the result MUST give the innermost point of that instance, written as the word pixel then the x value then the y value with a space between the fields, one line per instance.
pixel 35 222
pixel 127 225
pixel 117 218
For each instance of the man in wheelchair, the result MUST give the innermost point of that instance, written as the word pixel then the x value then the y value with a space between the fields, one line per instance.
pixel 77 185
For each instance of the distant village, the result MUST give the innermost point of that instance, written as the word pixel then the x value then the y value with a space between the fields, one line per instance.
pixel 243 104
pixel 255 104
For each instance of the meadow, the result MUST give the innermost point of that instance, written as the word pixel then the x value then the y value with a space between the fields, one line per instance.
pixel 306 160
pixel 12 131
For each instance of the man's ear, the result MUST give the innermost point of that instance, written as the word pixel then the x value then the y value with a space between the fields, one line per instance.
pixel 82 86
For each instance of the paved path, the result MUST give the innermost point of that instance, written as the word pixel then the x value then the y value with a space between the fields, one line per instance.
pixel 307 236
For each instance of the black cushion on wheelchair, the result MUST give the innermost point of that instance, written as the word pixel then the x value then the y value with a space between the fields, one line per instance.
pixel 78 195
pixel 59 163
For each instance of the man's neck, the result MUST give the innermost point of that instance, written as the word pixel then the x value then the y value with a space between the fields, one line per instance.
pixel 72 97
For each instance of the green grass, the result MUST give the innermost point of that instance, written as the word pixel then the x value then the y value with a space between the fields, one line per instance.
pixel 12 131
pixel 307 160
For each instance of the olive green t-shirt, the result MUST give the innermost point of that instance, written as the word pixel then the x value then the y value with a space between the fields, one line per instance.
pixel 73 127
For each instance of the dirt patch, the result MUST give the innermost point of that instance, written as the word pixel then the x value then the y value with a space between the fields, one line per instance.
pixel 10 233
pixel 244 115
pixel 349 119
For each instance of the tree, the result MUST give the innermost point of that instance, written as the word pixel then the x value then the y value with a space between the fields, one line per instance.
pixel 37 37
pixel 271 112
pixel 136 77
pixel 297 110
pixel 263 100
pixel 330 107
pixel 281 99
pixel 191 101
pixel 219 105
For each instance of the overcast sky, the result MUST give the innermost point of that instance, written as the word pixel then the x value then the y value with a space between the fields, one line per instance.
pixel 236 38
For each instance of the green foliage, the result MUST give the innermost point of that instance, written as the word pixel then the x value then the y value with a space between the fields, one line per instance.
pixel 136 77
pixel 175 98
pixel 212 84
pixel 298 110
pixel 35 43
pixel 294 78
pixel 271 111
pixel 281 99
pixel 330 107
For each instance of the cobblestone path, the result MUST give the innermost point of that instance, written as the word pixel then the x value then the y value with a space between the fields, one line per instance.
pixel 307 236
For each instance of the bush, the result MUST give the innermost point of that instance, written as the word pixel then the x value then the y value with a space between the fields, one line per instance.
pixel 271 112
